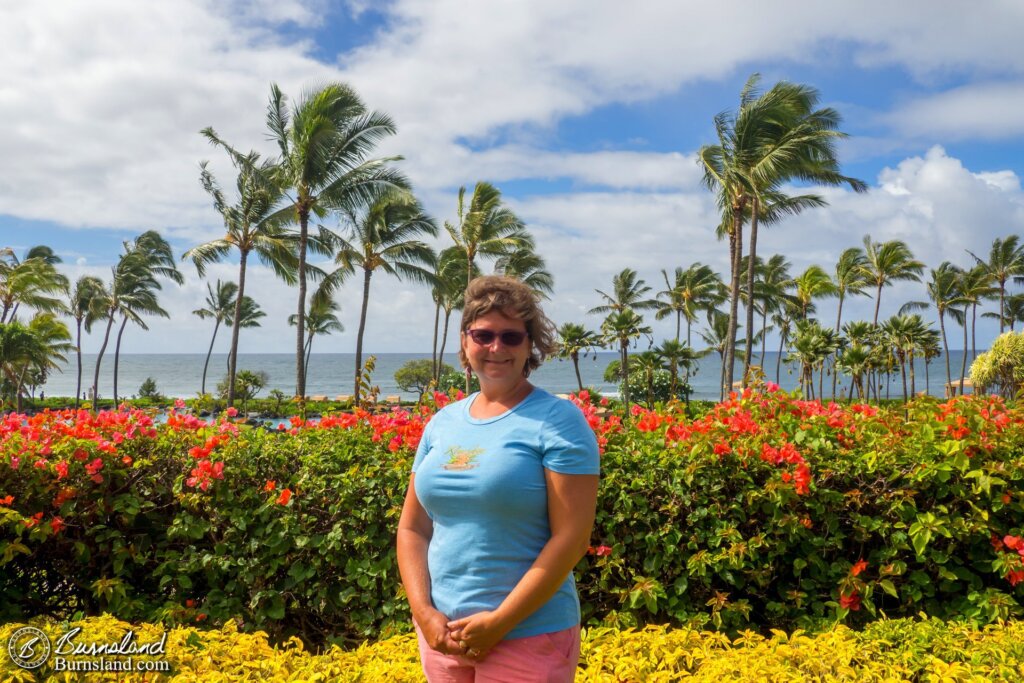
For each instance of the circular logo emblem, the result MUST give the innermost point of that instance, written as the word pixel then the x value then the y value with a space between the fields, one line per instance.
pixel 29 647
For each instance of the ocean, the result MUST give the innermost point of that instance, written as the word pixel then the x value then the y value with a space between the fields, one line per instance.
pixel 331 374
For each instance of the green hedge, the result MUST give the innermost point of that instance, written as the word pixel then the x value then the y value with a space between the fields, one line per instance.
pixel 698 523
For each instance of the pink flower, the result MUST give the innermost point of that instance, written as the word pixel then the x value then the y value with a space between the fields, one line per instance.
pixel 231 411
pixel 179 404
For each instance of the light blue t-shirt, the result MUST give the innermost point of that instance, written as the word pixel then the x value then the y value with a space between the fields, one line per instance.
pixel 482 483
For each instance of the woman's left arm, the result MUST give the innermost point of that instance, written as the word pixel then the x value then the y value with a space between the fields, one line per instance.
pixel 572 502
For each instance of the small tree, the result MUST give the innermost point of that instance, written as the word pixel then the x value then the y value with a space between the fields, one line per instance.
pixel 416 375
pixel 248 383
pixel 148 390
pixel 1002 366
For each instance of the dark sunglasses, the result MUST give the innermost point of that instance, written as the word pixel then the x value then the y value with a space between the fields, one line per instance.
pixel 508 337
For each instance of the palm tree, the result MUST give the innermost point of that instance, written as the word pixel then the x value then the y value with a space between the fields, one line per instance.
pixel 574 340
pixel 156 259
pixel 975 286
pixel 691 291
pixel 717 338
pixel 627 294
pixel 944 291
pixel 621 328
pixel 528 267
pixel 888 262
pixel 321 319
pixel 251 227
pixel 788 312
pixel 486 227
pixel 771 289
pixel 1014 310
pixel 1005 260
pixel 31 280
pixel 813 283
pixel 221 304
pixel 85 301
pixel 325 141
pixel 812 344
pixel 774 137
pixel 33 348
pixel 675 354
pixel 385 236
pixel 448 292
pixel 849 279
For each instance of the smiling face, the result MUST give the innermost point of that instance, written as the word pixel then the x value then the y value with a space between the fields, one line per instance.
pixel 499 367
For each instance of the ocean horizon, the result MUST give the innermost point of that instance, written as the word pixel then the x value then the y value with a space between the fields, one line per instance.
pixel 332 374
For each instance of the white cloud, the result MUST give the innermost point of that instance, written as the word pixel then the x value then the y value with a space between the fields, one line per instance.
pixel 988 111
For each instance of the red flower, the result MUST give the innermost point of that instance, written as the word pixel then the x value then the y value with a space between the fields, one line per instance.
pixel 190 603
pixel 600 551
pixel 56 524
pixel 285 496
pixel 856 569
pixel 93 469
pixel 231 411
pixel 270 485
pixel 62 469
pixel 7 500
pixel 850 602
pixel 722 448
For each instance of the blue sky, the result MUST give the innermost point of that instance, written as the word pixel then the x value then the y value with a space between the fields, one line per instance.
pixel 586 114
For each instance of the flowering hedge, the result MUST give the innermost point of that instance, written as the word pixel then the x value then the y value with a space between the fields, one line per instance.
pixel 766 511
pixel 896 650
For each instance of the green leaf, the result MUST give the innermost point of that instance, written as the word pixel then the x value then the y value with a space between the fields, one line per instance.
pixel 888 587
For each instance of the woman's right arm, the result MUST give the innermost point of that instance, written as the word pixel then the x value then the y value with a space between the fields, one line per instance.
pixel 415 529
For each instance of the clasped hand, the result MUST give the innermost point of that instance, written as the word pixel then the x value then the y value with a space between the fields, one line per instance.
pixel 471 636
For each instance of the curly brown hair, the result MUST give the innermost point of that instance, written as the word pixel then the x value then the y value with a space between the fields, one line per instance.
pixel 513 299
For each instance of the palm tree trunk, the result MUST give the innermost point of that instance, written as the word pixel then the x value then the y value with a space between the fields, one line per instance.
pixel 963 362
pixel 974 331
pixel 913 383
pixel 835 371
pixel 362 326
pixel 99 357
pixel 444 342
pixel 764 334
pixel 734 295
pixel 902 372
pixel 235 327
pixel 78 352
pixel 679 324
pixel 209 352
pixel 945 349
pixel 1002 294
pixel 576 366
pixel 624 353
pixel 778 361
pixel 435 364
pixel 878 303
pixel 755 208
pixel 300 316
pixel 309 351
pixel 117 355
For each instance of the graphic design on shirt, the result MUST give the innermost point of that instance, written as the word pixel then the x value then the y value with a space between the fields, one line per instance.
pixel 459 459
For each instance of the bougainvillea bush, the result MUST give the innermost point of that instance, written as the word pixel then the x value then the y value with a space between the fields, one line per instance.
pixel 765 512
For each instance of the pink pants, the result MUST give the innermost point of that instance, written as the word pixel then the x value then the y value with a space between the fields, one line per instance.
pixel 544 658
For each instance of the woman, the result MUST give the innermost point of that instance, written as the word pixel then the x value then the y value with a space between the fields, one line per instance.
pixel 500 507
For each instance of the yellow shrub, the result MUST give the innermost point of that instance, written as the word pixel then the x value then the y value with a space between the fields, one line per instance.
pixel 896 650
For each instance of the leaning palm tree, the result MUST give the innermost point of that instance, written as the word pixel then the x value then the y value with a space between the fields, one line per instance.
pixel 85 307
pixel 486 227
pixel 1014 310
pixel 620 329
pixel 886 263
pixel 529 267
pixel 773 137
pixel 321 320
pixel 32 280
pixel 384 236
pixel 976 285
pixel 1005 261
pixel 628 292
pixel 252 227
pixel 35 348
pixel 325 141
pixel 573 341
pixel 156 258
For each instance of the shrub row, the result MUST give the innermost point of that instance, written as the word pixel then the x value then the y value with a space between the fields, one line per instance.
pixel 765 512
pixel 887 650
